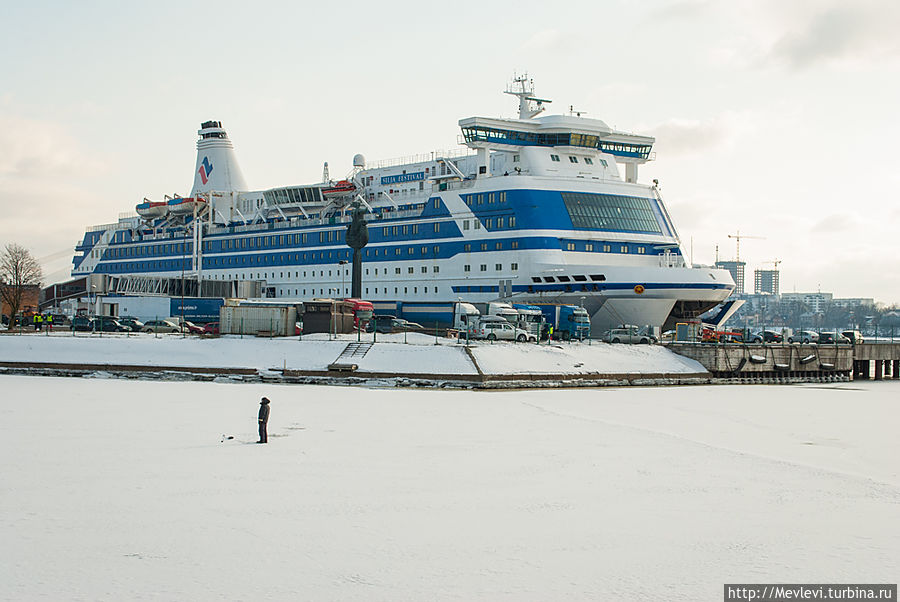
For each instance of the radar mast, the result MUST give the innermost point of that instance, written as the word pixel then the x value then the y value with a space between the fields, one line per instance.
pixel 523 88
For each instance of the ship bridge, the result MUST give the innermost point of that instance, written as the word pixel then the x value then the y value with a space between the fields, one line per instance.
pixel 486 133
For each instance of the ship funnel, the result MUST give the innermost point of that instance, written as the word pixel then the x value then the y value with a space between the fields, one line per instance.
pixel 217 167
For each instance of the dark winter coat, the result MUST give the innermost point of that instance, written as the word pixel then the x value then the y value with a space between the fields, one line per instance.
pixel 264 412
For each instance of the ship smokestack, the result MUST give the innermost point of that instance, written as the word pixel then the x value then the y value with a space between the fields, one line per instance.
pixel 217 168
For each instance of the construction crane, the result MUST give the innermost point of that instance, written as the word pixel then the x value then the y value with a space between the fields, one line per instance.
pixel 738 236
pixel 775 263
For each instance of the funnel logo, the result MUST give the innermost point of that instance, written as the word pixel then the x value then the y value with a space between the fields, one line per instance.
pixel 205 170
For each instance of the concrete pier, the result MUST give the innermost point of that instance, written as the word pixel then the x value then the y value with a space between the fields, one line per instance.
pixel 795 362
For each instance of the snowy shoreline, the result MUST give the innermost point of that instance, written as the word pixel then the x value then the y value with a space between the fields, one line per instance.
pixel 413 356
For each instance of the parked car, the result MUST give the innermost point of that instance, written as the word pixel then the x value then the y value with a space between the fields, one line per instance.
pixel 108 324
pixel 831 338
pixel 187 325
pixel 160 326
pixel 627 334
pixel 82 323
pixel 767 336
pixel 386 324
pixel 804 336
pixel 133 324
pixel 211 328
pixel 499 329
pixel 854 335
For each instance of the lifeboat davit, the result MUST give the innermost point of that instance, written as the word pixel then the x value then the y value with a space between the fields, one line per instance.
pixel 342 188
pixel 185 206
pixel 152 209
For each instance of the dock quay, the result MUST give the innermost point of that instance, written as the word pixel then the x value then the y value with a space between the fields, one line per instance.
pixel 795 362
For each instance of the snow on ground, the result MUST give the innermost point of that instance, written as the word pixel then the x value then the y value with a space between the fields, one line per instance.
pixel 116 489
pixel 581 358
pixel 411 353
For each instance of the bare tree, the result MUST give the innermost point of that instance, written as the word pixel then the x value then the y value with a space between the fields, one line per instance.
pixel 18 270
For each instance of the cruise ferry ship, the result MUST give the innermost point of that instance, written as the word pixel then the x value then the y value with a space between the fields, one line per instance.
pixel 530 209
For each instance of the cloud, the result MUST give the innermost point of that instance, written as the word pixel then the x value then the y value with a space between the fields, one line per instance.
pixel 847 33
pixel 688 136
pixel 33 148
pixel 549 40
pixel 837 222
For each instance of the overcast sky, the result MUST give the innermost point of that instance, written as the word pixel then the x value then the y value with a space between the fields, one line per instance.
pixel 773 117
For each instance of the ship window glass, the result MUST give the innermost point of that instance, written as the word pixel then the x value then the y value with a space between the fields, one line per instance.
pixel 579 278
pixel 610 212
pixel 514 244
pixel 641 250
pixel 548 279
pixel 570 246
pixel 498 266
pixel 484 246
pixel 386 230
pixel 396 270
pixel 409 251
pixel 424 250
pixel 606 248
pixel 500 221
pixel 467 268
pixel 424 269
pixel 573 159
pixel 588 160
pixel 467 248
pixel 406 229
pixel 588 247
pixel 396 251
pixel 477 224
pixel 465 224
pixel 489 223
pixel 498 246
pixel 436 269
pixel 563 278
pixel 599 277
pixel 410 270
pixel 437 226
pixel 554 158
pixel 483 267
pixel 415 228
pixel 514 266
pixel 515 158
pixel 490 197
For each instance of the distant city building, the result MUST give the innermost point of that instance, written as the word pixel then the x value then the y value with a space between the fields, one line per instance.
pixel 854 302
pixel 737 273
pixel 815 301
pixel 765 282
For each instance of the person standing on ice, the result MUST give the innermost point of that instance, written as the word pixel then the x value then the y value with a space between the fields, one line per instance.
pixel 263 420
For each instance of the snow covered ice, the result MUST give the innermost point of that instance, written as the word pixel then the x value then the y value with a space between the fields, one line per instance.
pixel 118 489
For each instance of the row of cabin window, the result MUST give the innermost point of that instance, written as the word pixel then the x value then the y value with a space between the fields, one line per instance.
pixel 312 273
pixel 491 197
pixel 497 267
pixel 286 291
pixel 606 248
pixel 502 222
pixel 498 246
pixel 180 248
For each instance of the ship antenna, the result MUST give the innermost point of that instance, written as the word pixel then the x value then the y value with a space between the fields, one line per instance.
pixel 523 88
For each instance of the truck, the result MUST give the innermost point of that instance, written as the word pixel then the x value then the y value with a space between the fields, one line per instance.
pixel 531 319
pixel 499 308
pixel 568 321
pixel 446 315
pixel 156 307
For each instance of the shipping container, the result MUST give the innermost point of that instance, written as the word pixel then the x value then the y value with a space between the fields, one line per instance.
pixel 267 320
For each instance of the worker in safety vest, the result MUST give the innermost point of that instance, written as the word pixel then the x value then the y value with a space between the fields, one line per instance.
pixel 37 321
pixel 50 322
